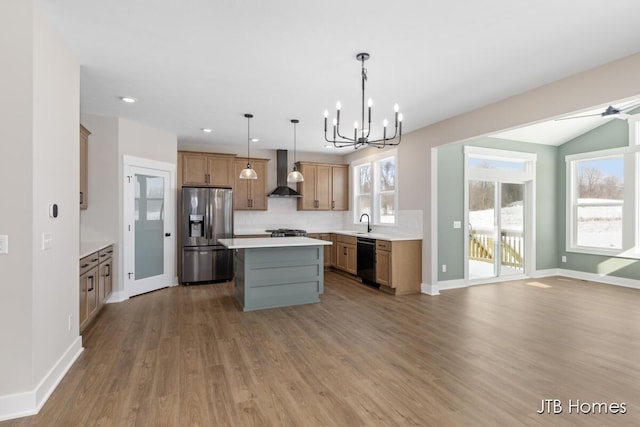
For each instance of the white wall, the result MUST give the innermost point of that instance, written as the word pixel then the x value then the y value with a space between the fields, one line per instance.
pixel 16 184
pixel 56 152
pixel 39 104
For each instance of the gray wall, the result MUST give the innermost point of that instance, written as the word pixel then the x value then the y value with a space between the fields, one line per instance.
pixel 450 203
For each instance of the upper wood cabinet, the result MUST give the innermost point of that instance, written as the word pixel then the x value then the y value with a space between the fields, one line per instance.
pixel 84 162
pixel 250 194
pixel 206 168
pixel 325 186
pixel 340 187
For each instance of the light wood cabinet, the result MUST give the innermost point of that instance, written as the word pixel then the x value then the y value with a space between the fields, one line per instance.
pixel 206 168
pixel 346 254
pixel 250 194
pixel 84 165
pixel 399 266
pixel 340 187
pixel 325 186
pixel 105 273
pixel 96 284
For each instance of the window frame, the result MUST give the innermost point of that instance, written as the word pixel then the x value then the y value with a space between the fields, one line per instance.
pixel 374 162
pixel 630 223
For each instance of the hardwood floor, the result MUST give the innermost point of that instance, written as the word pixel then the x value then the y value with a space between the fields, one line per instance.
pixel 486 355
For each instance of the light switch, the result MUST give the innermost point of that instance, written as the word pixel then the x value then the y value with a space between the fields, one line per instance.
pixel 47 241
pixel 457 224
pixel 4 244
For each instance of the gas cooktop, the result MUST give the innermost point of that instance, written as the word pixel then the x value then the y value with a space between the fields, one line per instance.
pixel 287 232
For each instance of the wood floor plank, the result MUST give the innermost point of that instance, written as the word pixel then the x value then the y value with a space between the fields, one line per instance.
pixel 484 356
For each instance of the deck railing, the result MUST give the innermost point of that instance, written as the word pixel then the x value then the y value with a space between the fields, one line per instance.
pixel 482 247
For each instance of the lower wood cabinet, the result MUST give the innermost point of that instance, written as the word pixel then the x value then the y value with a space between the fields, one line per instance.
pixel 346 254
pixel 96 284
pixel 399 266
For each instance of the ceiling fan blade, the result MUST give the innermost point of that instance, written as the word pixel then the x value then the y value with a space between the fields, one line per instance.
pixel 579 117
pixel 629 106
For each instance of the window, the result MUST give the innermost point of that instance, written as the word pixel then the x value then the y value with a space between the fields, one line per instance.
pixel 598 202
pixel 375 189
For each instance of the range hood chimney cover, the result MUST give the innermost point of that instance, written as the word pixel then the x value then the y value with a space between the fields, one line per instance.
pixel 281 167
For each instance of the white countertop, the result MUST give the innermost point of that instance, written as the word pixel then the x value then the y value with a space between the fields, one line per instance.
pixel 271 242
pixel 378 236
pixel 87 248
pixel 373 235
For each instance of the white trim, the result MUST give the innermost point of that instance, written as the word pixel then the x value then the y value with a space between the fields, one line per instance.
pixel 373 160
pixel 600 278
pixel 434 216
pixel 452 284
pixel 572 274
pixel 494 153
pixel 30 402
pixel 431 290
pixel 129 164
pixel 527 178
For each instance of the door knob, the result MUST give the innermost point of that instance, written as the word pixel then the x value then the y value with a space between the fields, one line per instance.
pixel 167 234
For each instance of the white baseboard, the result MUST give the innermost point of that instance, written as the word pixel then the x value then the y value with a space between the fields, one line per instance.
pixel 452 284
pixel 432 290
pixel 600 278
pixel 118 296
pixel 546 273
pixel 30 402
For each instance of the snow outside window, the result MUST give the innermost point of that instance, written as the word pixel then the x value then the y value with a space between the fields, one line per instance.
pixel 375 190
pixel 598 202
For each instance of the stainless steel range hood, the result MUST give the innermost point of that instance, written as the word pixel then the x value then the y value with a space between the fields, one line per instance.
pixel 282 170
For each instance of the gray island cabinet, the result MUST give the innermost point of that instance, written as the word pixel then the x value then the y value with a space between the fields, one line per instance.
pixel 277 271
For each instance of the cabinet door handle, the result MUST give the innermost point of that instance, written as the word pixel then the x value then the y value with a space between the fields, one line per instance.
pixel 108 270
pixel 344 250
pixel 84 265
pixel 91 279
pixel 333 204
pixel 81 197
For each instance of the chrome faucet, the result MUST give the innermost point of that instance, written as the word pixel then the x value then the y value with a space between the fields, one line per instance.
pixel 368 222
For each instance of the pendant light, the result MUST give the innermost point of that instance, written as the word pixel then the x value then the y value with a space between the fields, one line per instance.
pixel 295 175
pixel 248 173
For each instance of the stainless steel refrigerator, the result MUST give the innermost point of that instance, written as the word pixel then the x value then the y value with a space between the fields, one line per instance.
pixel 207 215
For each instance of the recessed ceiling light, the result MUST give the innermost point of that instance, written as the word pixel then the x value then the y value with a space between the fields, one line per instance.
pixel 254 140
pixel 328 146
pixel 206 130
pixel 128 99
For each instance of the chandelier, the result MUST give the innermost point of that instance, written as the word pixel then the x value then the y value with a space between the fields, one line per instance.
pixel 361 134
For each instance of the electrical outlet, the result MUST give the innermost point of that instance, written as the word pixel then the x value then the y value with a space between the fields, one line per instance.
pixel 47 241
pixel 4 244
pixel 564 258
pixel 444 268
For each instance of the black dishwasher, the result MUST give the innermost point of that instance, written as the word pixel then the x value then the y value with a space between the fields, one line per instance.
pixel 367 260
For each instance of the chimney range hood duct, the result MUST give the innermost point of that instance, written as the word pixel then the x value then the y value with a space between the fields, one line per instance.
pixel 282 169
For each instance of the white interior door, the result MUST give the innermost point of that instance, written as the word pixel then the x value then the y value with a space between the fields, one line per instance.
pixel 149 229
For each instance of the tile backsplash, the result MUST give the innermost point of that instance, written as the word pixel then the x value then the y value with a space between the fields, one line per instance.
pixel 282 213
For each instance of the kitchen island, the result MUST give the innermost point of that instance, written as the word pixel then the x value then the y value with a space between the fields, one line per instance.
pixel 277 271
